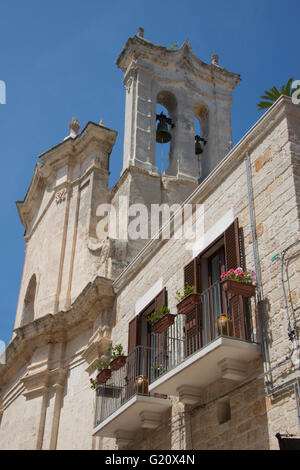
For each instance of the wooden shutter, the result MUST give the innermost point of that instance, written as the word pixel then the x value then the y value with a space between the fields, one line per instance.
pixel 232 249
pixel 193 319
pixel 233 261
pixel 133 355
pixel 161 339
pixel 190 274
pixel 161 299
pixel 133 334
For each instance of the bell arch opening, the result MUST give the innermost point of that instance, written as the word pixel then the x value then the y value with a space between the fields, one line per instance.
pixel 166 106
pixel 29 300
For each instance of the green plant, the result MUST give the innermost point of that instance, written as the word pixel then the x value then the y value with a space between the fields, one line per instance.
pixel 157 368
pixel 187 290
pixel 273 94
pixel 116 351
pixel 155 316
pixel 93 383
pixel 100 365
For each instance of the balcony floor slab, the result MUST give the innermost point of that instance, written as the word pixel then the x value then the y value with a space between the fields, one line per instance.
pixel 202 368
pixel 128 416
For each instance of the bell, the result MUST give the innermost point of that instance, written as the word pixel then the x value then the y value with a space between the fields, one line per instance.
pixel 198 148
pixel 198 144
pixel 162 132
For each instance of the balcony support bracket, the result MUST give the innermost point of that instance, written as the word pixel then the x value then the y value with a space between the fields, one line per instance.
pixel 233 369
pixel 189 395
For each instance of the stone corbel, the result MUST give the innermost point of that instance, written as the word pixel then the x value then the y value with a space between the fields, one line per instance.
pixel 124 438
pixel 189 395
pixel 233 369
pixel 150 419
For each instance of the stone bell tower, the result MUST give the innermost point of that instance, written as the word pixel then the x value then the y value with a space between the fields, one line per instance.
pixel 189 89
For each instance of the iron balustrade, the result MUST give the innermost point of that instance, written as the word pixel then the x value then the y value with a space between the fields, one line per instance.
pixel 218 314
pixel 131 379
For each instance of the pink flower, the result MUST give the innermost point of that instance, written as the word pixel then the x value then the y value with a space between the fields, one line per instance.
pixel 238 271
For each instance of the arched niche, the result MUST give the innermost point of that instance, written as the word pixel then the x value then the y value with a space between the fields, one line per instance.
pixel 166 102
pixel 29 300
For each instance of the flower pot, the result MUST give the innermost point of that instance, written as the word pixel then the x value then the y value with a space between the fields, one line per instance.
pixel 118 362
pixel 103 376
pixel 188 304
pixel 238 288
pixel 163 323
pixel 224 325
pixel 142 385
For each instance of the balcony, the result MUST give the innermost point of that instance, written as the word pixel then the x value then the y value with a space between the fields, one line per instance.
pixel 124 404
pixel 213 341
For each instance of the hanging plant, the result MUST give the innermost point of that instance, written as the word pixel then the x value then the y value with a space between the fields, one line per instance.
pixel 188 300
pixel 239 282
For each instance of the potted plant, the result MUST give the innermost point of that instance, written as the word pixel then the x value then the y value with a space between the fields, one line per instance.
pixel 118 359
pixel 161 320
pixel 188 300
pixel 93 383
pixel 239 282
pixel 104 372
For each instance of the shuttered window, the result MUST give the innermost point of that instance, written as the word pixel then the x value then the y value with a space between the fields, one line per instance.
pixel 192 276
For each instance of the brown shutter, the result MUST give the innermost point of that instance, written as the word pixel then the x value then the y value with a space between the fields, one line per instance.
pixel 233 260
pixel 160 340
pixel 232 249
pixel 161 299
pixel 133 334
pixel 190 273
pixel 193 319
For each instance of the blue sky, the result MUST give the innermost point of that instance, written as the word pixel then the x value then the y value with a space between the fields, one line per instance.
pixel 58 61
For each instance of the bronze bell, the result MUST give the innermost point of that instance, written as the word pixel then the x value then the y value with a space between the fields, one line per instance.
pixel 198 144
pixel 162 132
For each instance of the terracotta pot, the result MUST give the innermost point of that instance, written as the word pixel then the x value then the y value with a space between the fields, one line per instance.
pixel 238 288
pixel 142 385
pixel 118 362
pixel 188 304
pixel 163 323
pixel 103 376
pixel 225 326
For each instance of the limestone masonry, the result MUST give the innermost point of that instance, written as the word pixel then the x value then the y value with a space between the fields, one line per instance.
pixel 224 374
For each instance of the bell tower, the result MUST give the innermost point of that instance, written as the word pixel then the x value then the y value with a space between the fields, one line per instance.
pixel 190 90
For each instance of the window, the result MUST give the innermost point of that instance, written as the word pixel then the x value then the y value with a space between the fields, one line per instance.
pixel 204 271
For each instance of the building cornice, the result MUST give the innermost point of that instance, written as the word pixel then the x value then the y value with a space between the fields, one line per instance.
pixel 137 49
pixel 96 297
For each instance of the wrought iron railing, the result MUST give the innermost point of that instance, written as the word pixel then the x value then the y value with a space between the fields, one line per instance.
pixel 131 379
pixel 217 315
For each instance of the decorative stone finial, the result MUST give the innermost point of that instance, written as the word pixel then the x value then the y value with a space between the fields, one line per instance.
pixel 140 32
pixel 215 59
pixel 74 127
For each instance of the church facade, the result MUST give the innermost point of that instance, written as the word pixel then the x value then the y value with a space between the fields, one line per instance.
pixel 101 262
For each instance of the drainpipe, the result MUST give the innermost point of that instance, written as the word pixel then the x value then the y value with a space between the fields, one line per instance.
pixel 264 346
